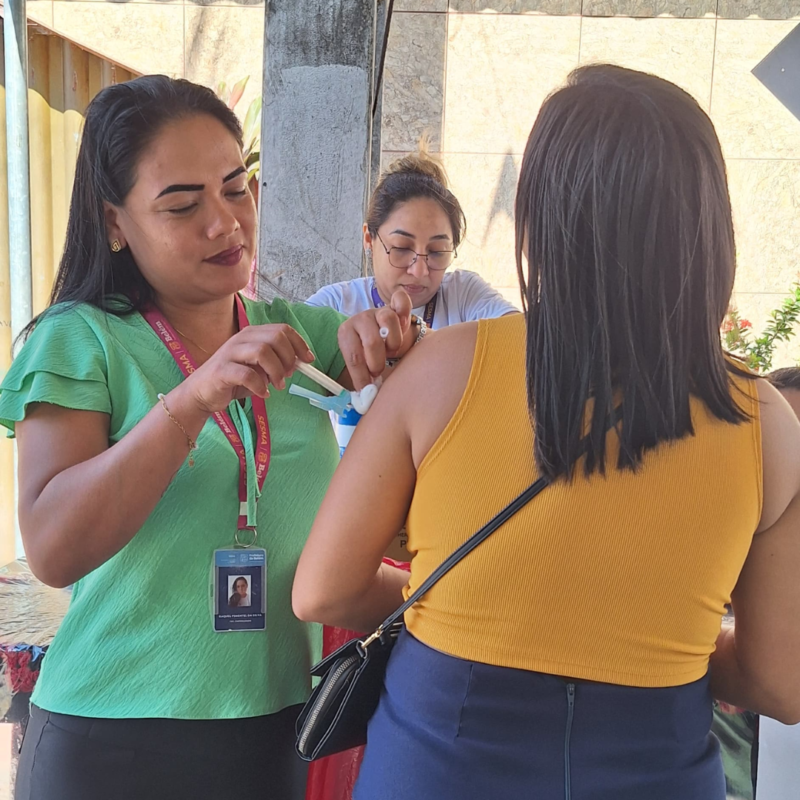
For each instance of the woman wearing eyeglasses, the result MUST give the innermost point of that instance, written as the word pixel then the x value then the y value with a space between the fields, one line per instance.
pixel 413 229
pixel 411 236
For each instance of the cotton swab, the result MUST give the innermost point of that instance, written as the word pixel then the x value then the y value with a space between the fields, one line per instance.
pixel 319 378
pixel 361 401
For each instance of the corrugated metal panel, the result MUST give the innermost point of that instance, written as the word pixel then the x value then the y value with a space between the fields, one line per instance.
pixel 62 80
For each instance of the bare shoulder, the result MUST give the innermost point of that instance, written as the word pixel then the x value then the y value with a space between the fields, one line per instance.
pixel 780 451
pixel 427 386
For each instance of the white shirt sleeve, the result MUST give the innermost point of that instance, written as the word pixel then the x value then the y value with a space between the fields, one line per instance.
pixel 327 297
pixel 477 299
pixel 347 297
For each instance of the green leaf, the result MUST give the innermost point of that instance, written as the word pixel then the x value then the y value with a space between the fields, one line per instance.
pixel 760 351
pixel 252 121
pixel 237 92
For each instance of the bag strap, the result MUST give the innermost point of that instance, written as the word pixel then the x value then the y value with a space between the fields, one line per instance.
pixel 519 502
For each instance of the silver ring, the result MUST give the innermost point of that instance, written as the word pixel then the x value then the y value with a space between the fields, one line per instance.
pixel 238 542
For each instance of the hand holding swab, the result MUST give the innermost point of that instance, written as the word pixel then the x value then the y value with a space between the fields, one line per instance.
pixel 320 378
pixel 361 401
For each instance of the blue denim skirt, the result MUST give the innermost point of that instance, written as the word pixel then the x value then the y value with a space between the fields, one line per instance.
pixel 449 728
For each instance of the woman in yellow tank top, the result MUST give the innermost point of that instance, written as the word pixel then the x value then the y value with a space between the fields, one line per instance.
pixel 575 653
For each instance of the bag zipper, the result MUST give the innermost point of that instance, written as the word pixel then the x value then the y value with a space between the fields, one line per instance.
pixel 320 702
pixel 567 740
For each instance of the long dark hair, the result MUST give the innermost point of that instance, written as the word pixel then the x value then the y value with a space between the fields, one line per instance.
pixel 623 213
pixel 408 178
pixel 121 121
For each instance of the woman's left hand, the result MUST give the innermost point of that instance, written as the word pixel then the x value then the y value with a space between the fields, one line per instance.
pixel 365 351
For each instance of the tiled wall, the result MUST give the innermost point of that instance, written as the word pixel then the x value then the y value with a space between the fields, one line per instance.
pixel 494 61
pixel 473 74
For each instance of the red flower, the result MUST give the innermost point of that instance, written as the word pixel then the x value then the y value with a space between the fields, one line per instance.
pixel 727 325
pixel 744 324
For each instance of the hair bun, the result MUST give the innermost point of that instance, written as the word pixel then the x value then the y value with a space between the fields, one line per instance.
pixel 420 163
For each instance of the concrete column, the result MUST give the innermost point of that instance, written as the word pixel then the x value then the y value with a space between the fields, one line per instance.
pixel 319 62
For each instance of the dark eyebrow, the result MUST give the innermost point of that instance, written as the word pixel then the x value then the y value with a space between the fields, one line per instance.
pixel 198 187
pixel 235 174
pixel 411 235
pixel 182 187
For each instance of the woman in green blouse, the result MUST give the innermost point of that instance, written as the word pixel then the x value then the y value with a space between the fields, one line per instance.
pixel 151 410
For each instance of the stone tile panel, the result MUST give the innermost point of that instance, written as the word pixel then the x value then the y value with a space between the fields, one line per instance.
pixel 650 8
pixel 759 9
pixel 766 207
pixel 413 95
pixel 550 7
pixel 486 187
pixel 750 120
pixel 420 5
pixel 499 70
pixel 680 50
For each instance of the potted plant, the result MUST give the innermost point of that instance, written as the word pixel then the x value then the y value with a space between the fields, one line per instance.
pixel 758 351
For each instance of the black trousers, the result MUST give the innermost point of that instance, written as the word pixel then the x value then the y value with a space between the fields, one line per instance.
pixel 80 758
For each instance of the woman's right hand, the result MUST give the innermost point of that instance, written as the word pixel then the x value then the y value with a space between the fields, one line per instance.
pixel 247 364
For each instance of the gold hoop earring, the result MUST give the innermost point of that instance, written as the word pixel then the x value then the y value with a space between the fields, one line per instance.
pixel 116 246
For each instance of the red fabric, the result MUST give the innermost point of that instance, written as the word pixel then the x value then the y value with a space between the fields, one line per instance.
pixel 18 668
pixel 333 778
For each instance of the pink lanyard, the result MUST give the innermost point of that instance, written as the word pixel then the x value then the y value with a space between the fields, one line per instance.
pixel 165 332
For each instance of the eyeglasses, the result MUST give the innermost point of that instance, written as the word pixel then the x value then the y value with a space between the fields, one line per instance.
pixel 405 257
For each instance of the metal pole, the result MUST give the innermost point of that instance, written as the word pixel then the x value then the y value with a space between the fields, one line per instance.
pixel 15 36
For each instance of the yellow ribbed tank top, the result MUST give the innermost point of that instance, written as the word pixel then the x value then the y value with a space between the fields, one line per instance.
pixel 621 579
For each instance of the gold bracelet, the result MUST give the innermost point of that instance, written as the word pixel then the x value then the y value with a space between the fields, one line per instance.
pixel 191 442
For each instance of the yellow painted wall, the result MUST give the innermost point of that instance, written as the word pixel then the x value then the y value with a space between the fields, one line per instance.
pixel 6 449
pixel 62 79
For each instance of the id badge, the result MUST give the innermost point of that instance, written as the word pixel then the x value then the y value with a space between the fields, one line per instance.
pixel 239 590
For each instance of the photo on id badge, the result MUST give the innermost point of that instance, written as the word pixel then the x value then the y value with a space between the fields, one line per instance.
pixel 238 590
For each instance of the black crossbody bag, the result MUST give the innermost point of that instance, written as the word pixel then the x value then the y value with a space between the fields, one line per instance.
pixel 336 715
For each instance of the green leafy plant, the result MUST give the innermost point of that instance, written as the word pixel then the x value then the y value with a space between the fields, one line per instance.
pixel 759 351
pixel 251 127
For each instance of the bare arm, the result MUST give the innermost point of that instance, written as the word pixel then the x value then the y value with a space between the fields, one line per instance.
pixel 82 501
pixel 757 662
pixel 340 579
pixel 85 501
